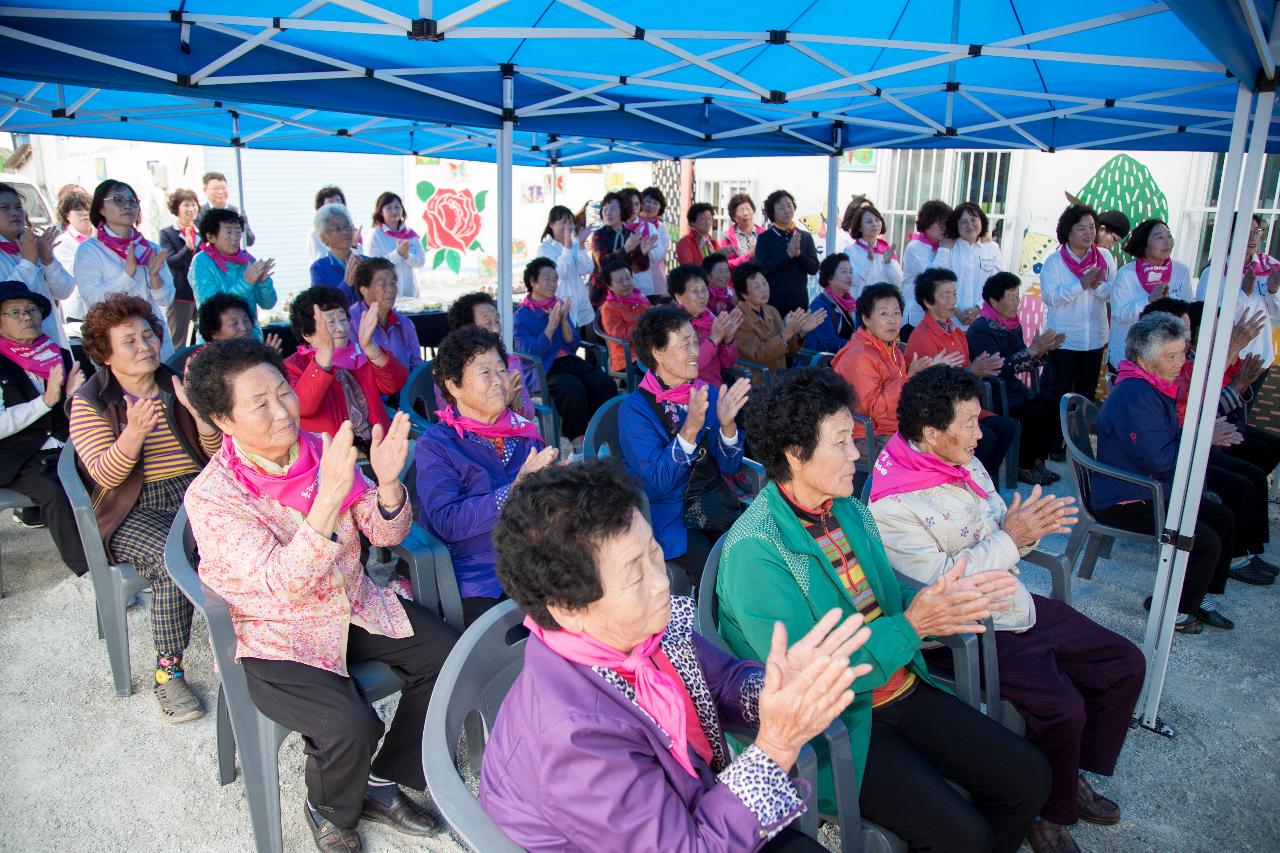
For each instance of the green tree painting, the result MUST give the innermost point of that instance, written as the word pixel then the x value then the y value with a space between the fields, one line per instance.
pixel 1124 184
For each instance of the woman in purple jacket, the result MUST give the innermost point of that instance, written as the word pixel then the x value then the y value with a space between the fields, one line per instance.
pixel 612 736
pixel 469 460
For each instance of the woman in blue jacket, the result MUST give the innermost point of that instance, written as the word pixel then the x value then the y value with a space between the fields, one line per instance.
pixel 469 460
pixel 543 328
pixel 1138 431
pixel 835 276
pixel 669 443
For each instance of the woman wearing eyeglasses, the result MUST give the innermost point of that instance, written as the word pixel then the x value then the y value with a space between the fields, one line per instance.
pixel 120 260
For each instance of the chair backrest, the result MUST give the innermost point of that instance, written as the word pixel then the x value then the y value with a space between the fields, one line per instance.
pixel 1078 417
pixel 418 397
pixel 448 597
pixel 708 602
pixel 81 507
pixel 602 433
pixel 475 679
pixel 178 361
pixel 823 359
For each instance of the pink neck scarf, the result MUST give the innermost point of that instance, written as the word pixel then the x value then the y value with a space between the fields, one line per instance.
pixel 120 245
pixel 845 300
pixel 539 305
pixel 37 357
pixel 921 237
pixel 297 487
pixel 508 425
pixel 223 260
pixel 404 232
pixel 1092 258
pixel 902 469
pixel 1150 276
pixel 634 299
pixel 720 295
pixel 678 395
pixel 703 322
pixel 1262 264
pixel 1129 370
pixel 882 245
pixel 656 692
pixel 996 317
pixel 348 357
pixel 9 247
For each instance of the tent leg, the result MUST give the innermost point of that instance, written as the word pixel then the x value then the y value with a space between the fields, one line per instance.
pixel 505 137
pixel 833 202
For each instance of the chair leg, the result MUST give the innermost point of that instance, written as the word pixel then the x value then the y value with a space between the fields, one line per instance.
pixel 114 626
pixel 1092 549
pixel 1108 542
pixel 1 579
pixel 98 615
pixel 260 769
pixel 226 739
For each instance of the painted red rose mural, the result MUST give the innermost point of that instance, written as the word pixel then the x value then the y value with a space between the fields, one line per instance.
pixel 453 223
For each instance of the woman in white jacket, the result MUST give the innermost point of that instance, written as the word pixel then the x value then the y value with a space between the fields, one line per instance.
pixel 1074 682
pixel 393 239
pixel 1075 283
pixel 120 260
pixel 563 244
pixel 653 232
pixel 919 254
pixel 968 250
pixel 1151 275
pixel 873 258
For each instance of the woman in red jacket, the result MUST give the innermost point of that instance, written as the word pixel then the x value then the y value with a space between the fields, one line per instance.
pixel 335 380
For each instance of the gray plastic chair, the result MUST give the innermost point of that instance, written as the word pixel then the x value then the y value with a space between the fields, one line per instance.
pixel 418 396
pixel 625 378
pixel 855 833
pixel 9 499
pixel 475 679
pixel 178 361
pixel 1090 535
pixel 239 722
pixel 601 438
pixel 114 584
pixel 747 369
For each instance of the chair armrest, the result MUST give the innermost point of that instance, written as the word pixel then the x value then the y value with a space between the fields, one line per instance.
pixel 990 669
pixel 806 768
pixel 1096 467
pixel 869 438
pixel 444 587
pixel 964 654
pixel 1059 572
pixel 757 473
pixel 755 367
pixel 1001 394
pixel 422 573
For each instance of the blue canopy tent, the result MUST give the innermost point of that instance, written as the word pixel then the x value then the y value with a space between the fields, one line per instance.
pixel 675 79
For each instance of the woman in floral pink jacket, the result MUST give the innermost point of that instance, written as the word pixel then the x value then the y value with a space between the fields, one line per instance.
pixel 277 517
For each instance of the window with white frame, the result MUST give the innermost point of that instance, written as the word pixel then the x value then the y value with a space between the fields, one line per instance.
pixel 1200 218
pixel 916 176
pixel 718 193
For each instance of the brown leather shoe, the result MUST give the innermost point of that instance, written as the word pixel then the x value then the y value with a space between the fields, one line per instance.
pixel 1047 837
pixel 1094 807
pixel 403 815
pixel 330 838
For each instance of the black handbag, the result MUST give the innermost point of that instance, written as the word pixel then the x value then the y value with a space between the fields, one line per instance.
pixel 709 504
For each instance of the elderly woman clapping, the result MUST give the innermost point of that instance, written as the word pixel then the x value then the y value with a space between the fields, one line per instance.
pixel 1138 431
pixel 140 445
pixel 277 515
pixel 337 267
pixel 612 736
pixel 803 547
pixel 1074 682
pixel 222 266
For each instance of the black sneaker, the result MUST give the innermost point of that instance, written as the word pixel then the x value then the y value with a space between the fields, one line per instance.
pixel 1049 477
pixel 31 523
pixel 1209 615
pixel 1270 568
pixel 1251 574
pixel 1058 455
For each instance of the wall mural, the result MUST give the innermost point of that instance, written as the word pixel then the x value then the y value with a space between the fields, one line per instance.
pixel 453 223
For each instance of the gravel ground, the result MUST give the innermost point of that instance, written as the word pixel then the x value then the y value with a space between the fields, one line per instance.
pixel 86 771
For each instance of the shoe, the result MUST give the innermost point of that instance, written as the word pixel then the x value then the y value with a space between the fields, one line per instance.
pixel 1250 574
pixel 1031 477
pixel 403 815
pixel 1187 624
pixel 1209 615
pixel 178 704
pixel 20 518
pixel 1058 455
pixel 1048 476
pixel 1046 837
pixel 1256 561
pixel 330 838
pixel 1094 807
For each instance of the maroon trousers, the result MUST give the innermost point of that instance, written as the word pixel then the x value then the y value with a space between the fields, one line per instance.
pixel 1075 683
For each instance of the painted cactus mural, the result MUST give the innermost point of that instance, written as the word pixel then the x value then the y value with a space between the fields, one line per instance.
pixel 1124 184
pixel 453 223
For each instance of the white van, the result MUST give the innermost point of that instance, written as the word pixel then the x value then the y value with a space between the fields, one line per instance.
pixel 38 209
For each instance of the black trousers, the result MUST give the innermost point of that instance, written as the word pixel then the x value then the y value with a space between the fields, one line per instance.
pixel 1074 372
pixel 1259 448
pixel 38 480
pixel 1211 546
pixel 928 737
pixel 1255 388
pixel 340 729
pixel 578 389
pixel 476 606
pixel 1243 490
pixel 997 436
pixel 694 559
pixel 1041 429
pixel 792 840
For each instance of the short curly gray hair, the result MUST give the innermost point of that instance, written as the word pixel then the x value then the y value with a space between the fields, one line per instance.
pixel 1152 332
pixel 331 211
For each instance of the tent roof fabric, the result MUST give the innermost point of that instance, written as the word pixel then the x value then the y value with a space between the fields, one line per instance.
pixel 673 77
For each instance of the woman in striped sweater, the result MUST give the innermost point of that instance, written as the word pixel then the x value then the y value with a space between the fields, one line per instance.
pixel 139 445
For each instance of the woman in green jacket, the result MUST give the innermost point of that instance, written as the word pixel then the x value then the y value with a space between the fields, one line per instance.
pixel 805 547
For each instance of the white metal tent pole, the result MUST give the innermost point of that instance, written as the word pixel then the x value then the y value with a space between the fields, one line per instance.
pixel 505 139
pixel 235 140
pixel 833 202
pixel 1210 364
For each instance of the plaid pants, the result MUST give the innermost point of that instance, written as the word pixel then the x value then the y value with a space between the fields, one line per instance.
pixel 140 540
